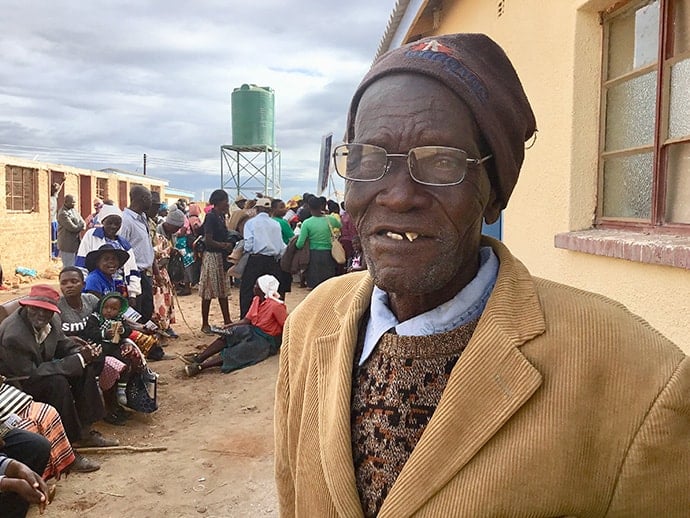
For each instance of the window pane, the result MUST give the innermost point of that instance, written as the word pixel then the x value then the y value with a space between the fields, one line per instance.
pixel 679 110
pixel 628 186
pixel 678 184
pixel 681 26
pixel 630 113
pixel 633 39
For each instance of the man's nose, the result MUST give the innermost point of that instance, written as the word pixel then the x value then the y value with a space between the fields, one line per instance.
pixel 399 192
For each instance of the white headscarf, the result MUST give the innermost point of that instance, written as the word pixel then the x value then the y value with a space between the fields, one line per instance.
pixel 269 285
pixel 108 210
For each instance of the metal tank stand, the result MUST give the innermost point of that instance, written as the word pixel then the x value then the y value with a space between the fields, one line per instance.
pixel 247 170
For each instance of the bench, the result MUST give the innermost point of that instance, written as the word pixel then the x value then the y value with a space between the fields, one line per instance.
pixel 9 307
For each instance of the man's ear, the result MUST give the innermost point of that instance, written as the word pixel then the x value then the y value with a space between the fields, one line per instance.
pixel 493 208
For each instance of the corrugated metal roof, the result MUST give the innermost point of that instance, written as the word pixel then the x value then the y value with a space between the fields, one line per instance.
pixel 391 27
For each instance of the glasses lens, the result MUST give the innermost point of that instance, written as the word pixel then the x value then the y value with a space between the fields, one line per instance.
pixel 360 162
pixel 438 165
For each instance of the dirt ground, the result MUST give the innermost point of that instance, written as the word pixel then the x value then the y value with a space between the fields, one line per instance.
pixel 217 428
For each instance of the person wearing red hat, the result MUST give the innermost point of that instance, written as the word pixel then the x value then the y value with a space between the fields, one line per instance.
pixel 54 369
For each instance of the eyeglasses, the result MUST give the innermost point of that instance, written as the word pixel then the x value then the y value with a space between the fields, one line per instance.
pixel 428 165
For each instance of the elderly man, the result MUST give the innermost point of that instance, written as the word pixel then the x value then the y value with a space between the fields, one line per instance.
pixel 54 369
pixel 446 380
pixel 135 229
pixel 70 225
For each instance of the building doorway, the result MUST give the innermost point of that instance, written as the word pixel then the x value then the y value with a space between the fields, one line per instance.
pixel 84 195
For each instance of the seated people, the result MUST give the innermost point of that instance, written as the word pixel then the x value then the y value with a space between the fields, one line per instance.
pixel 250 340
pixel 75 308
pixel 111 218
pixel 57 370
pixel 43 419
pixel 103 265
pixel 107 327
pixel 23 455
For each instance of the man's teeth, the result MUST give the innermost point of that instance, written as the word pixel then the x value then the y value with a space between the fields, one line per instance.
pixel 411 236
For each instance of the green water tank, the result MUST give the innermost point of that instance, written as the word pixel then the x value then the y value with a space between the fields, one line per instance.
pixel 253 120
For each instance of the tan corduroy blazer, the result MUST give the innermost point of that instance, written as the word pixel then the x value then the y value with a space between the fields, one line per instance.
pixel 563 404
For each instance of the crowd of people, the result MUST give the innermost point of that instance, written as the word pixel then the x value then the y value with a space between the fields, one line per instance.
pixel 73 357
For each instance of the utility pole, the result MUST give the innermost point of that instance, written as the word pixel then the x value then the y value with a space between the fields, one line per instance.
pixel 144 164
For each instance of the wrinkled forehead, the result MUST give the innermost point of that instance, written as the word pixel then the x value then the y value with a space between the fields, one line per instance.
pixel 415 108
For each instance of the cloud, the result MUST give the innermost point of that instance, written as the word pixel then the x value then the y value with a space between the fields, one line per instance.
pixel 104 80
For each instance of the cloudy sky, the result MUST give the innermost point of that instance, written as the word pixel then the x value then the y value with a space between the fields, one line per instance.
pixel 99 83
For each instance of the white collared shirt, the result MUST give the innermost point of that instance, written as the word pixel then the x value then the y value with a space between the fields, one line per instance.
pixel 467 305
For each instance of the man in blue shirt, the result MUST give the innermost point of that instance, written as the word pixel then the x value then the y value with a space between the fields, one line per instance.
pixel 263 242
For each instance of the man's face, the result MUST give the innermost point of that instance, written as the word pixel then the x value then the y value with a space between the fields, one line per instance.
pixel 142 199
pixel 69 201
pixel 108 263
pixel 71 283
pixel 153 209
pixel 280 210
pixel 111 226
pixel 399 113
pixel 38 317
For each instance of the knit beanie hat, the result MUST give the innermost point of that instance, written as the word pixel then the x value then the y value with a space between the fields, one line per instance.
pixel 477 70
pixel 175 218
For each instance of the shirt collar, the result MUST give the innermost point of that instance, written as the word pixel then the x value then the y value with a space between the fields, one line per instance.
pixel 141 217
pixel 467 305
pixel 42 333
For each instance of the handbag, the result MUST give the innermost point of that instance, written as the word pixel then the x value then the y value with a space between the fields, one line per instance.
pixel 176 268
pixel 142 391
pixel 12 401
pixel 337 250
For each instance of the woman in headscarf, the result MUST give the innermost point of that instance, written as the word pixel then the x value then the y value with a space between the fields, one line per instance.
pixel 184 243
pixel 250 340
pixel 111 219
pixel 163 289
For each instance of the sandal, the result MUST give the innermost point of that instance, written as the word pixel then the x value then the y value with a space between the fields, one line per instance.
pixel 115 418
pixel 171 333
pixel 190 357
pixel 192 369
pixel 207 330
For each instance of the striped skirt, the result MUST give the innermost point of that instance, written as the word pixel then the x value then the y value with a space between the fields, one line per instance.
pixel 44 420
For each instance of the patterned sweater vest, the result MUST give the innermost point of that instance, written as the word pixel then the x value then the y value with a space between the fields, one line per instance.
pixel 394 395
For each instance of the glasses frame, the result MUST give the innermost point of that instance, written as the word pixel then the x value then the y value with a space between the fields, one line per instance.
pixel 471 162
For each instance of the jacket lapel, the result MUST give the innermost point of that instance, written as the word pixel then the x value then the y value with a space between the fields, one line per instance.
pixel 490 382
pixel 335 356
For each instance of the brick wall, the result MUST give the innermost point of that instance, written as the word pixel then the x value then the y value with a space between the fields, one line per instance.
pixel 25 236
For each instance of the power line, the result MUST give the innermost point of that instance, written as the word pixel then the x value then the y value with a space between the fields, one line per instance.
pixel 99 157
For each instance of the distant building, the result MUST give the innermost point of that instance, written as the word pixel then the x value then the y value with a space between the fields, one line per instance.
pixel 172 195
pixel 25 203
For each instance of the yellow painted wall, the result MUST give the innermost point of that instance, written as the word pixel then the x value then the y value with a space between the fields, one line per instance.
pixel 25 237
pixel 556 48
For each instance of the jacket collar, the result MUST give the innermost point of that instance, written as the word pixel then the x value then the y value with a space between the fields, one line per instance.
pixel 489 383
